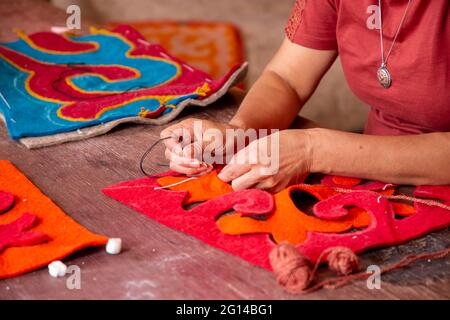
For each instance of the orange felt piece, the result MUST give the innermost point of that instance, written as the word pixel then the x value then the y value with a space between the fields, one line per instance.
pixel 346 181
pixel 203 188
pixel 66 236
pixel 288 223
pixel 403 209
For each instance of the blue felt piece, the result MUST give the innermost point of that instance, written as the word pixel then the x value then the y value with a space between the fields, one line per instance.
pixel 29 115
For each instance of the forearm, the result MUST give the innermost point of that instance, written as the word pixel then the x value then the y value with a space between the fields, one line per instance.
pixel 284 87
pixel 271 103
pixel 415 159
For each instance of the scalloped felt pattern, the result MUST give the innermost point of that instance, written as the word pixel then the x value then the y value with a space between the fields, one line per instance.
pixel 288 223
pixel 6 201
pixel 74 87
pixel 64 235
pixel 357 217
pixel 17 233
pixel 203 188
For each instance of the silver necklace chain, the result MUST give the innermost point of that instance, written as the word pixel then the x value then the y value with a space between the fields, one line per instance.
pixel 383 74
pixel 384 61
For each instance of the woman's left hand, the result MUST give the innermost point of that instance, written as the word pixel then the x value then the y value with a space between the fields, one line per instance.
pixel 271 163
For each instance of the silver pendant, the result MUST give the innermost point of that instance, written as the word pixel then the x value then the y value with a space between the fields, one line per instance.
pixel 384 77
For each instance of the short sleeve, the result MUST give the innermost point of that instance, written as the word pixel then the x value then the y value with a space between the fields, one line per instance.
pixel 312 24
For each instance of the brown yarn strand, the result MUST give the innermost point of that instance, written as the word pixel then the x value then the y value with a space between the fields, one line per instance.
pixel 338 282
pixel 292 269
pixel 430 203
pixel 419 200
pixel 293 273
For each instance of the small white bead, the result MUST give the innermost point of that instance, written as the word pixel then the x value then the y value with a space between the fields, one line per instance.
pixel 114 246
pixel 57 269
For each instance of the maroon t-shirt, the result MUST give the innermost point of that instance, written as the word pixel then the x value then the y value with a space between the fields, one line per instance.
pixel 419 99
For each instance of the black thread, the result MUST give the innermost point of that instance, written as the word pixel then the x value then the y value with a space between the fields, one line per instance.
pixel 147 152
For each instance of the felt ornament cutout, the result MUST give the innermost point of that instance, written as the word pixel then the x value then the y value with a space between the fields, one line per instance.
pixel 35 232
pixel 166 207
pixel 17 233
pixel 55 85
pixel 288 224
pixel 341 207
pixel 6 201
pixel 385 229
pixel 400 208
pixel 202 188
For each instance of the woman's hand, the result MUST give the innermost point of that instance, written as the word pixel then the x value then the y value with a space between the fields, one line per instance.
pixel 187 141
pixel 288 161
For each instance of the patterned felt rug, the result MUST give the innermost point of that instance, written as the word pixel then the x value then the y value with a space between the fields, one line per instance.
pixel 34 231
pixel 339 211
pixel 57 88
pixel 213 47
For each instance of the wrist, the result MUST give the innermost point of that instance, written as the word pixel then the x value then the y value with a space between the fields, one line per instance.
pixel 315 143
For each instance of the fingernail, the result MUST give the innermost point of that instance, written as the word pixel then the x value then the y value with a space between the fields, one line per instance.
pixel 195 163
pixel 235 187
pixel 221 176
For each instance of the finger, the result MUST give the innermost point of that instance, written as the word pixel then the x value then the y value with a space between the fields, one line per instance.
pixel 279 187
pixel 171 143
pixel 203 170
pixel 193 151
pixel 173 129
pixel 178 136
pixel 247 180
pixel 266 184
pixel 232 171
pixel 271 185
pixel 168 133
pixel 167 154
pixel 180 160
pixel 186 170
pixel 237 166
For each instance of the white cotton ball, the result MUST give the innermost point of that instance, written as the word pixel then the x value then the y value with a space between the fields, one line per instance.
pixel 114 246
pixel 57 269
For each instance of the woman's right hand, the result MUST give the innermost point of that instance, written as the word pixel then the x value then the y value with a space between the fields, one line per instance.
pixel 186 141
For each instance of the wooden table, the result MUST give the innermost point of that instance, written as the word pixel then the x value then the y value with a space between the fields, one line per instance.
pixel 158 262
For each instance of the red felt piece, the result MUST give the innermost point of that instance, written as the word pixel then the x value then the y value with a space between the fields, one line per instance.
pixel 57 43
pixel 355 183
pixel 6 201
pixel 385 229
pixel 165 206
pixel 17 234
pixel 287 223
pixel 401 209
pixel 381 228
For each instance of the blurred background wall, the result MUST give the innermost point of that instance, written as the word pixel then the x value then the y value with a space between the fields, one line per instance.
pixel 262 25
